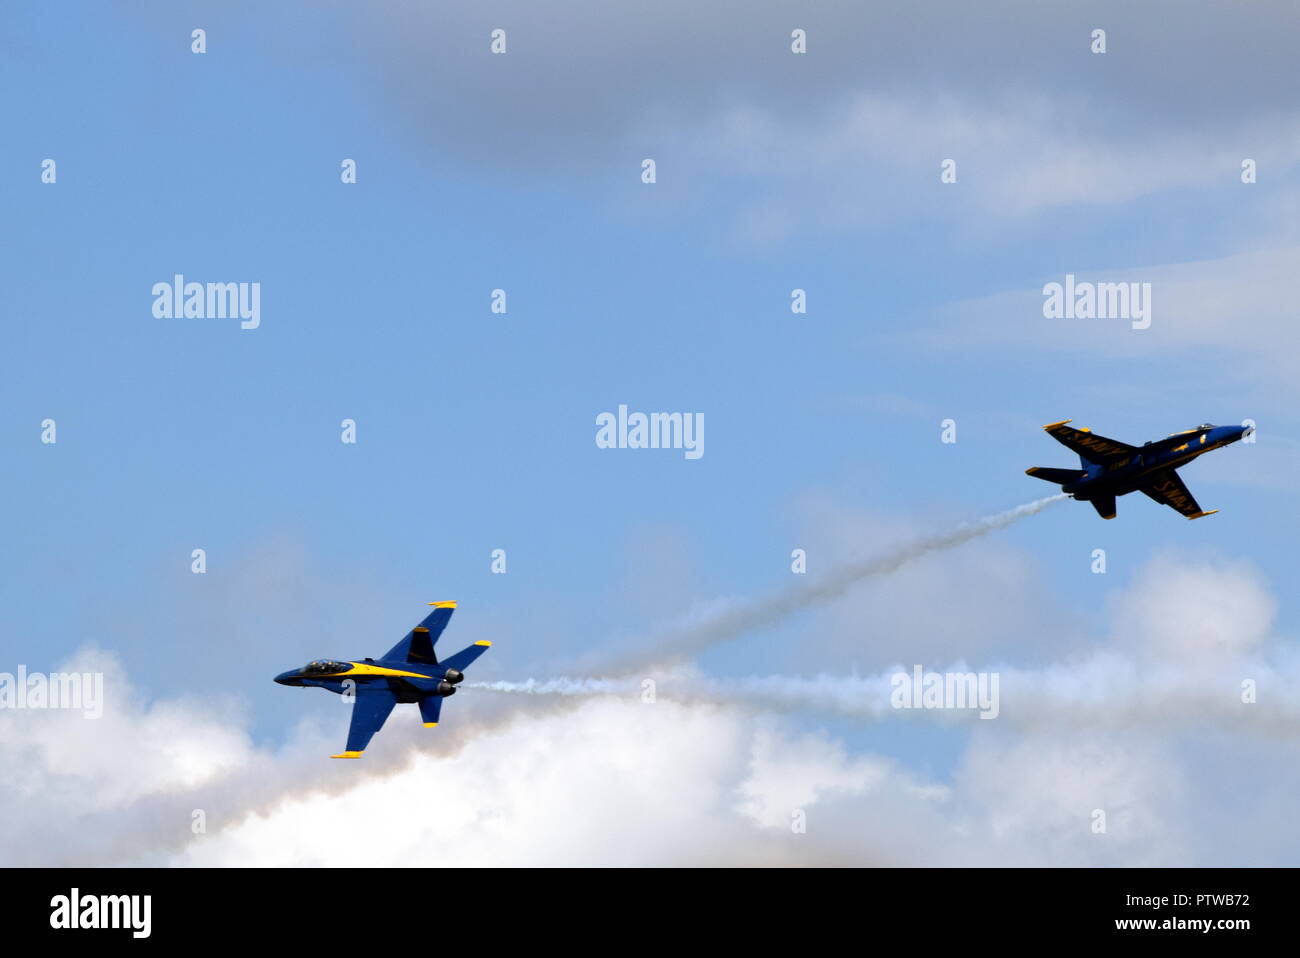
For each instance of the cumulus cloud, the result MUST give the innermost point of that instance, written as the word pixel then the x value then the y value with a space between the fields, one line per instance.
pixel 1140 731
pixel 1201 612
pixel 64 769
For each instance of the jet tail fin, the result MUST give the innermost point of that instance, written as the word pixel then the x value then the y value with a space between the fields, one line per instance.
pixel 1058 476
pixel 430 709
pixel 1105 506
pixel 419 642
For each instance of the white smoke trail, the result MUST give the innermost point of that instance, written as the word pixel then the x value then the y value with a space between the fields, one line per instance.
pixel 264 779
pixel 1106 690
pixel 760 613
pixel 853 696
pixel 561 685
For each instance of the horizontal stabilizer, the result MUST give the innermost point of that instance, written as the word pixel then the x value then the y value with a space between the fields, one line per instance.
pixel 464 657
pixel 1058 476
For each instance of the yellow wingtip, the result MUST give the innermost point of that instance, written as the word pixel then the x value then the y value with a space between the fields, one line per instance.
pixel 347 755
pixel 482 642
pixel 430 724
pixel 1031 470
pixel 1202 515
pixel 444 605
pixel 1053 425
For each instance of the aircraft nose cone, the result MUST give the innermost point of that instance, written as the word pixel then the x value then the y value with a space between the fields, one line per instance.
pixel 286 678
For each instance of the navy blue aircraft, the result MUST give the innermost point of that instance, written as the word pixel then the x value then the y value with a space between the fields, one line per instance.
pixel 408 672
pixel 1108 468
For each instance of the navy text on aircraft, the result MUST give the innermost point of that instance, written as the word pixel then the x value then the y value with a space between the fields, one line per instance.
pixel 408 672
pixel 1109 468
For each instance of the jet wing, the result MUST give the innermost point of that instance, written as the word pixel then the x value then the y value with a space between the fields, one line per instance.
pixel 1088 444
pixel 370 710
pixel 1166 487
pixel 417 646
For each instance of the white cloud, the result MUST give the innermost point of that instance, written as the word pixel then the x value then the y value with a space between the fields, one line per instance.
pixel 1039 795
pixel 788 773
pixel 133 749
pixel 1140 729
pixel 1202 612
pixel 849 134
pixel 1238 305
pixel 873 158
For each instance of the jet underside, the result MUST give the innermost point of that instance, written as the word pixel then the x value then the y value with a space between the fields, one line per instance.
pixel 1109 468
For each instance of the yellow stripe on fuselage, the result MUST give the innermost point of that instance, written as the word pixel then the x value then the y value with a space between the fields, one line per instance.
pixel 1181 461
pixel 364 668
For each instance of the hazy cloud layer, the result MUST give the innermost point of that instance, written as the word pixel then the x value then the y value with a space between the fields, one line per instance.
pixel 1238 306
pixel 850 133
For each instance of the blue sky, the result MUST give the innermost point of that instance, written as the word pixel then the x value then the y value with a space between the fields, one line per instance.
pixel 476 431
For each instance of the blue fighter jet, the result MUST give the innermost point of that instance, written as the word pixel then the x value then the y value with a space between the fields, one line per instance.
pixel 408 672
pixel 1108 468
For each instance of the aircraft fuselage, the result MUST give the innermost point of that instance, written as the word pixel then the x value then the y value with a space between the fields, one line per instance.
pixel 408 682
pixel 1124 475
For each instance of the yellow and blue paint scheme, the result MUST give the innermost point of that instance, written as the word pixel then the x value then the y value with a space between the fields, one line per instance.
pixel 408 672
pixel 1109 468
